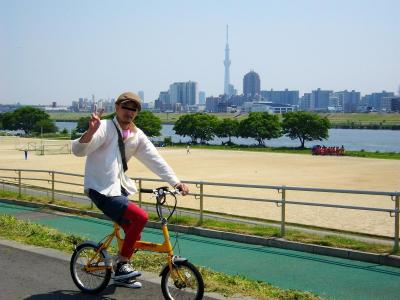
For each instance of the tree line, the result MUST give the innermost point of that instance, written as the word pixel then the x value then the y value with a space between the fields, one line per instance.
pixel 30 119
pixel 200 127
pixel 262 126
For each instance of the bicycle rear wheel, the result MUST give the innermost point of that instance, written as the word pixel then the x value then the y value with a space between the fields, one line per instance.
pixel 188 283
pixel 89 281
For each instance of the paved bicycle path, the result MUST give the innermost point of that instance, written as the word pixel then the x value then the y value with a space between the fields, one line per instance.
pixel 330 277
pixel 46 276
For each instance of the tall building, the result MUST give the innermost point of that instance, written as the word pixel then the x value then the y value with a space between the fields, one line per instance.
pixel 283 97
pixel 176 92
pixel 349 101
pixel 320 99
pixel 141 95
pixel 227 64
pixel 217 104
pixel 80 103
pixel 184 93
pixel 395 104
pixel 191 96
pixel 202 98
pixel 92 106
pixel 374 100
pixel 335 103
pixel 163 102
pixel 251 85
pixel 232 91
pixel 305 102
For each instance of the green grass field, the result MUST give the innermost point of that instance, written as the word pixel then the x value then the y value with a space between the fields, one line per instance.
pixel 364 118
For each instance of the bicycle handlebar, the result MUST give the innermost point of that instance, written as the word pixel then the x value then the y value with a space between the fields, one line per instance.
pixel 164 188
pixel 146 191
pixel 160 194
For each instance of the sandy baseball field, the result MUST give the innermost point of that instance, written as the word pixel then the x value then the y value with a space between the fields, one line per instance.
pixel 252 168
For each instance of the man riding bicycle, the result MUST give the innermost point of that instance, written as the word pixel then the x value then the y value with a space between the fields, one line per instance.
pixel 108 145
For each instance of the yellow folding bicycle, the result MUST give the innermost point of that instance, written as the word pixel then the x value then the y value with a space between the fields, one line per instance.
pixel 91 266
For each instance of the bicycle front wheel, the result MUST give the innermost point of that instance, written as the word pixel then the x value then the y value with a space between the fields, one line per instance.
pixel 88 269
pixel 185 283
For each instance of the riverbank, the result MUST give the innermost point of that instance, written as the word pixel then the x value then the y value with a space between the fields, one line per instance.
pixel 387 141
pixel 338 120
pixel 253 148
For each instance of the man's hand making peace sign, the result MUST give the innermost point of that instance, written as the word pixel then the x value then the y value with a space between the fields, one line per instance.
pixel 94 124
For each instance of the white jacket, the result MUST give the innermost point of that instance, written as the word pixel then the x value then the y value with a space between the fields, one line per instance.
pixel 103 169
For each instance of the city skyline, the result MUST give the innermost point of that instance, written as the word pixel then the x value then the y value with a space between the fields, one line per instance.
pixel 62 51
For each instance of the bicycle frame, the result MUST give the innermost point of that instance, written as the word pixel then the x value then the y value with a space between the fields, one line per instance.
pixel 165 247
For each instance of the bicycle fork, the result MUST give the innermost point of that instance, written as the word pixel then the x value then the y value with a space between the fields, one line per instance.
pixel 173 260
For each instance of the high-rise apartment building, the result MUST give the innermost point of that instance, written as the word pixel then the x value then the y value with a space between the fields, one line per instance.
pixel 374 101
pixel 184 93
pixel 395 104
pixel 251 85
pixel 202 98
pixel 283 97
pixel 320 99
pixel 163 102
pixel 349 101
pixel 176 92
pixel 191 97
pixel 305 102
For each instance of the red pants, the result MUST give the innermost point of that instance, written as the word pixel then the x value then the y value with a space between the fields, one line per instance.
pixel 137 219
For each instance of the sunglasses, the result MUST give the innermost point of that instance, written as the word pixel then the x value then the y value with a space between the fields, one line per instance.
pixel 129 108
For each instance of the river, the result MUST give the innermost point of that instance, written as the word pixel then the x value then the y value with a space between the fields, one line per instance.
pixel 351 139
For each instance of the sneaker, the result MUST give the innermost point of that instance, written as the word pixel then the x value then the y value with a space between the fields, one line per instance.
pixel 125 270
pixel 129 282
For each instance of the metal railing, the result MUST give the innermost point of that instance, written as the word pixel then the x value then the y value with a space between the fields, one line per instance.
pixel 18 179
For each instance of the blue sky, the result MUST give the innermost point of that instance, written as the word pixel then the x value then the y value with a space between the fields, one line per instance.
pixel 63 50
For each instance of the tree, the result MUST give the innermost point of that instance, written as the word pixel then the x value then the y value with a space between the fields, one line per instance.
pixel 64 131
pixel 149 123
pixel 227 128
pixel 260 126
pixel 183 126
pixel 82 125
pixel 168 141
pixel 8 121
pixel 204 126
pixel 26 118
pixel 145 120
pixel 44 126
pixel 197 126
pixel 305 126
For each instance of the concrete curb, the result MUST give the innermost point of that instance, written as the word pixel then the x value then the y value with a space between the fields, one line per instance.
pixel 382 259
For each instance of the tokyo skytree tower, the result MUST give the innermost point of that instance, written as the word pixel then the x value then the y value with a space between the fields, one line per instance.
pixel 227 64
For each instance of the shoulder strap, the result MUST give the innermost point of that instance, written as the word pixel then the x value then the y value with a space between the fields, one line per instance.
pixel 121 147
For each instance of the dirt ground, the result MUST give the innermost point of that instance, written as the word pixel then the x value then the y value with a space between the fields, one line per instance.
pixel 241 167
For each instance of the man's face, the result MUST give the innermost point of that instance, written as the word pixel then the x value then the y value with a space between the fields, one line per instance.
pixel 126 112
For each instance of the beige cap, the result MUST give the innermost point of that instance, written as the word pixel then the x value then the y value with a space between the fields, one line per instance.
pixel 129 96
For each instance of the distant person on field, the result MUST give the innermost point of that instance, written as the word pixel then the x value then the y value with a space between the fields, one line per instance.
pixel 109 145
pixel 187 149
pixel 342 150
pixel 26 154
